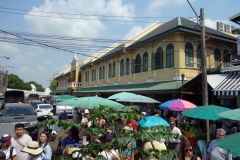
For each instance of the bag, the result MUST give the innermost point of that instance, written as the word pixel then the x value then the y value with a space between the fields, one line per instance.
pixel 17 140
pixel 11 151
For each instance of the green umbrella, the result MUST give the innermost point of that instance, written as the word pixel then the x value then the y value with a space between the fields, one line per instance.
pixel 121 95
pixel 64 97
pixel 91 102
pixel 138 99
pixel 205 112
pixel 232 114
pixel 230 143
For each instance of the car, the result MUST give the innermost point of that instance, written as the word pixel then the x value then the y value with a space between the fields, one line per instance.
pixel 34 103
pixel 2 103
pixel 42 110
pixel 14 113
pixel 60 109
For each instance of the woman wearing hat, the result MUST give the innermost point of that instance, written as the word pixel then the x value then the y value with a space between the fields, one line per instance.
pixel 33 150
pixel 6 147
pixel 196 132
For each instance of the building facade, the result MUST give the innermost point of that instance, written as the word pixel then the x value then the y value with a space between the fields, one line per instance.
pixel 151 63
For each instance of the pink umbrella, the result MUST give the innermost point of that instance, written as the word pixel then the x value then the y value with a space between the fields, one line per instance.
pixel 177 105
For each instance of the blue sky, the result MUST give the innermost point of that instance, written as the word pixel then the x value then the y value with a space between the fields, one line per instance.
pixel 40 64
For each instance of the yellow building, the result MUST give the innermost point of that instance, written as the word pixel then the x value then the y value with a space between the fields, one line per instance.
pixel 150 63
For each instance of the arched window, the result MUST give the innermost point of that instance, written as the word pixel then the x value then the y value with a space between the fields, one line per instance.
pixel 217 58
pixel 170 56
pixel 100 73
pixel 199 56
pixel 159 58
pixel 114 69
pixel 109 70
pixel 122 67
pixel 92 74
pixel 189 55
pixel 145 62
pixel 103 72
pixel 127 66
pixel 227 57
pixel 86 76
pixel 79 77
pixel 138 64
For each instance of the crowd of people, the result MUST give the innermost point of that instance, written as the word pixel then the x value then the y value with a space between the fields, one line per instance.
pixel 22 147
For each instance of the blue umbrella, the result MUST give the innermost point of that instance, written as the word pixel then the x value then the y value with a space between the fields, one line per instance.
pixel 150 121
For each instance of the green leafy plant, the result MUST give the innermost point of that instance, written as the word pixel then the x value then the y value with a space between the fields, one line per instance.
pixel 111 115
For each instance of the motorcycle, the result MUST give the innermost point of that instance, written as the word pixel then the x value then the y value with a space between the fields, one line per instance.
pixel 49 129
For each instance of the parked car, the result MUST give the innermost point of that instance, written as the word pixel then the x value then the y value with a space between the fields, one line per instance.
pixel 2 103
pixel 14 113
pixel 59 109
pixel 34 103
pixel 42 110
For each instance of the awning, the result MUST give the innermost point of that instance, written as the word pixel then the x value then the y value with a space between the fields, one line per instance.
pixel 59 91
pixel 153 86
pixel 230 86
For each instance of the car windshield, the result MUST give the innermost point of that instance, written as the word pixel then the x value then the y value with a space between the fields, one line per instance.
pixel 16 111
pixel 45 107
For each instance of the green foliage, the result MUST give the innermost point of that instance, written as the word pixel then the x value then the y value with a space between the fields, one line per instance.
pixel 53 85
pixel 184 126
pixel 16 83
pixel 111 115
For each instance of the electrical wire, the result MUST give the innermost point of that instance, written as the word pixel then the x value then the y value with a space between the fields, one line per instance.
pixel 83 14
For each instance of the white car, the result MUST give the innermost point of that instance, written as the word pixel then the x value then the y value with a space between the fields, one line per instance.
pixel 69 110
pixel 42 110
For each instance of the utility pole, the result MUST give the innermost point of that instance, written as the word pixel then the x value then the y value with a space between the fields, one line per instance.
pixel 204 70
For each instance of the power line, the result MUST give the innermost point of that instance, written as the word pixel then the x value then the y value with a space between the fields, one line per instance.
pixel 82 14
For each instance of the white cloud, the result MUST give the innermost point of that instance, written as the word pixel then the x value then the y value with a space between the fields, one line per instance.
pixel 41 68
pixel 19 58
pixel 213 23
pixel 76 27
pixel 26 69
pixel 157 4
pixel 48 61
pixel 8 48
pixel 133 32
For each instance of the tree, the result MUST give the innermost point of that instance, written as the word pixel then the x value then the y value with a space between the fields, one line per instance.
pixel 111 115
pixel 53 85
pixel 15 82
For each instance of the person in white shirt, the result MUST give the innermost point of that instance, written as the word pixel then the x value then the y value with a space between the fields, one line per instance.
pixel 33 150
pixel 20 140
pixel 6 147
pixel 174 143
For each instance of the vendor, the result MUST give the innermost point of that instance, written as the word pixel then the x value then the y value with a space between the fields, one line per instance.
pixel 195 130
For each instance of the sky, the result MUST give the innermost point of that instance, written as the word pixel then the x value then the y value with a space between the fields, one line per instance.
pixel 92 22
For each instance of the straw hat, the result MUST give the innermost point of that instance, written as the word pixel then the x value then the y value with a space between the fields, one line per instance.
pixel 32 148
pixel 194 121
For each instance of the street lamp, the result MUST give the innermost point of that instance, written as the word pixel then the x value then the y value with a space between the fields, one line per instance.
pixel 182 76
pixel 5 57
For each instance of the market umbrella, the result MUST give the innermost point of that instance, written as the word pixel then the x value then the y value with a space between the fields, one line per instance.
pixel 150 121
pixel 138 99
pixel 208 112
pixel 230 143
pixel 91 102
pixel 231 114
pixel 121 95
pixel 177 105
pixel 64 97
